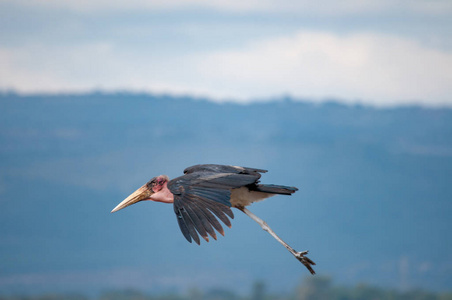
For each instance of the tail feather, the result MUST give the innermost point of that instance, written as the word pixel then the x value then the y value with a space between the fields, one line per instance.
pixel 275 189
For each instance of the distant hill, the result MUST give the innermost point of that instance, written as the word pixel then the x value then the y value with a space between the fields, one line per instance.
pixel 374 199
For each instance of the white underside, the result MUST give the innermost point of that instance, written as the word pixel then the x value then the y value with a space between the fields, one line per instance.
pixel 244 197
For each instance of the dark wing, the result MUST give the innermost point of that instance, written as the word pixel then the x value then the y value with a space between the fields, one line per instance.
pixel 203 196
pixel 222 169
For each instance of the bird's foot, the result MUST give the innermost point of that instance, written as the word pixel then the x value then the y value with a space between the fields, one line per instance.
pixel 305 260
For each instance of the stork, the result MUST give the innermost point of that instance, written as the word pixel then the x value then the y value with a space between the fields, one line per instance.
pixel 206 191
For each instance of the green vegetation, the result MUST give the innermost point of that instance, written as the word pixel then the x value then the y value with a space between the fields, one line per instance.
pixel 312 288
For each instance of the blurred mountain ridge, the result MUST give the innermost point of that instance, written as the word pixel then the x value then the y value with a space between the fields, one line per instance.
pixel 373 205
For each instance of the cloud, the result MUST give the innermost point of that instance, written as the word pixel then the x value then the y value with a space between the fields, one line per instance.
pixel 258 49
pixel 362 67
pixel 328 7
pixel 96 65
pixel 369 67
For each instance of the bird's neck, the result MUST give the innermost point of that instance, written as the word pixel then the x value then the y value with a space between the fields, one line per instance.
pixel 164 195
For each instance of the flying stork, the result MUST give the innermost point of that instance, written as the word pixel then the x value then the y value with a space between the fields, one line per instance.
pixel 206 191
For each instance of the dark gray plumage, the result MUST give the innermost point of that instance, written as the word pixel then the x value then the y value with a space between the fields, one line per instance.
pixel 205 194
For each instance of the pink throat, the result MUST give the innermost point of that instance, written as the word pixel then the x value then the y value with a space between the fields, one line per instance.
pixel 164 195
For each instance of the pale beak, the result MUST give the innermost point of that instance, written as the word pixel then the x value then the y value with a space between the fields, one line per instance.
pixel 142 193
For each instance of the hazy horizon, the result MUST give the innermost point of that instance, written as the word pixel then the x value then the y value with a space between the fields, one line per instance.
pixel 243 102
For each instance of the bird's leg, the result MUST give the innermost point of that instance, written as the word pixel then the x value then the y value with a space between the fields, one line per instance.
pixel 298 255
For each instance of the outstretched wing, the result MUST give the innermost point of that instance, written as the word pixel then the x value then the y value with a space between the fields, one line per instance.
pixel 196 214
pixel 203 195
pixel 222 169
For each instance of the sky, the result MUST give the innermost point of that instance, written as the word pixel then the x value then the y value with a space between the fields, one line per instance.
pixel 379 53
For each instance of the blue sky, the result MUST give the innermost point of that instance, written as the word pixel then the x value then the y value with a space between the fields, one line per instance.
pixel 374 52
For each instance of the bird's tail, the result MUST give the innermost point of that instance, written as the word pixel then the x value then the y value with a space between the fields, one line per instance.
pixel 276 189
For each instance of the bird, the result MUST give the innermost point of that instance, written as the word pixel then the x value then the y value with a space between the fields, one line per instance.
pixel 206 193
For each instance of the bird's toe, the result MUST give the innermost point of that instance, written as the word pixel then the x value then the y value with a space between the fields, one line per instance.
pixel 306 261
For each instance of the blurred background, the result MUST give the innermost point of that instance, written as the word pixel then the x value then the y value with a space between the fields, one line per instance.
pixel 349 101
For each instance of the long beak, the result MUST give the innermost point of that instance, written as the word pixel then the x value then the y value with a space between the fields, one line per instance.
pixel 141 194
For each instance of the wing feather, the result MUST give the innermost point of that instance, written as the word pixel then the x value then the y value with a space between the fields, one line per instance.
pixel 182 226
pixel 186 224
pixel 203 194
pixel 221 169
pixel 210 219
pixel 221 196
pixel 221 211
pixel 189 223
pixel 197 222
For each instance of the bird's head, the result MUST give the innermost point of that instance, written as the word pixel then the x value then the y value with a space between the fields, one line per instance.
pixel 144 193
